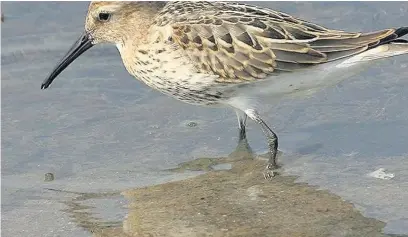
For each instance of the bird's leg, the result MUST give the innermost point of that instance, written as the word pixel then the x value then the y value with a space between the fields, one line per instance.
pixel 272 143
pixel 242 118
pixel 243 149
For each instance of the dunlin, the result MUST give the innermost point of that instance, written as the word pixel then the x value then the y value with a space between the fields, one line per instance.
pixel 229 54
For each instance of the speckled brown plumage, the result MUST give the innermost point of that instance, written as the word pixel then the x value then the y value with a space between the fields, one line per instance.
pixel 242 42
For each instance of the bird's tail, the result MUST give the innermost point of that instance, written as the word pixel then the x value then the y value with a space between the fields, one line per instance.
pixel 395 37
pixel 387 47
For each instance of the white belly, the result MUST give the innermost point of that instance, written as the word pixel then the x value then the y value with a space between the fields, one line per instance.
pixel 302 82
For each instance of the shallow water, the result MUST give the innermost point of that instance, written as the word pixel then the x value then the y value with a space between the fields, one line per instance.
pixel 99 130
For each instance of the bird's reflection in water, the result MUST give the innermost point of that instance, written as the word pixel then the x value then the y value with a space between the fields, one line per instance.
pixel 233 202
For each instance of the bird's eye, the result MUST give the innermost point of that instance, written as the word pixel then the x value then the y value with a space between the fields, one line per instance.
pixel 104 16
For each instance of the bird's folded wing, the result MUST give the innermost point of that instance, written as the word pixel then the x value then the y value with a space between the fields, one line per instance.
pixel 245 43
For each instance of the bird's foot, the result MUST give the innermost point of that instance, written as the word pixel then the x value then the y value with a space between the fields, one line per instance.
pixel 270 171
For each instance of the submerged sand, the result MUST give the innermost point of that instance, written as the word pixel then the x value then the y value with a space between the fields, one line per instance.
pixel 235 202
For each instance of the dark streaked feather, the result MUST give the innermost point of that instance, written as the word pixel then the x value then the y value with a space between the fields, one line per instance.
pixel 242 42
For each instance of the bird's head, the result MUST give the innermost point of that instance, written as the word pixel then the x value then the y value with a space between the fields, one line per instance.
pixel 110 22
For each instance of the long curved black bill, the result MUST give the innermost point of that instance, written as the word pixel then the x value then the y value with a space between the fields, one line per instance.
pixel 80 46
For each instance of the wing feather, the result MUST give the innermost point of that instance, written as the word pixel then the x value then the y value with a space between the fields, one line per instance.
pixel 239 42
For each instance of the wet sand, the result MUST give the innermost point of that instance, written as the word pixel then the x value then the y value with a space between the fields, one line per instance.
pixel 235 202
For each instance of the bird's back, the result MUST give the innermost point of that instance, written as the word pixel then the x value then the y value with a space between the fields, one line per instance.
pixel 242 43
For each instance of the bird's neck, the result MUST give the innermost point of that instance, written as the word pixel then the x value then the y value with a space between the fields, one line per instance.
pixel 131 55
pixel 140 51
